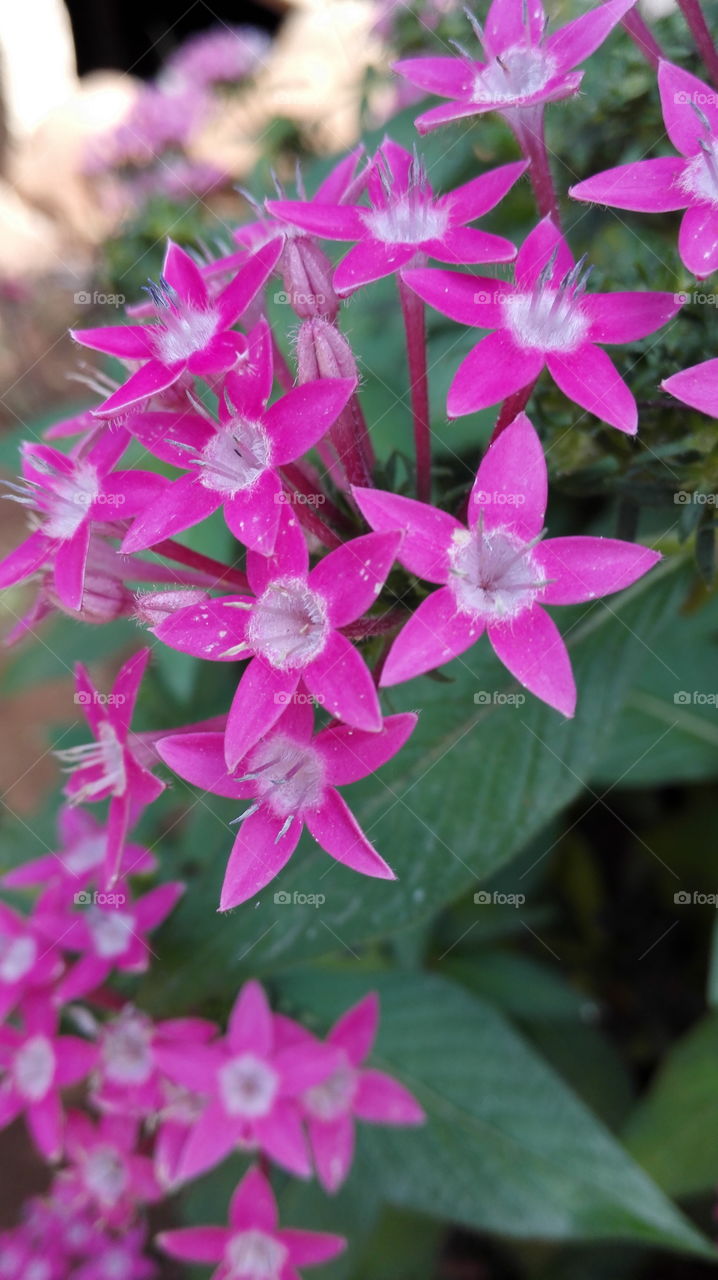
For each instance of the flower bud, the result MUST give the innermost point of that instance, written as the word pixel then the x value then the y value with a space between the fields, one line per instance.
pixel 307 274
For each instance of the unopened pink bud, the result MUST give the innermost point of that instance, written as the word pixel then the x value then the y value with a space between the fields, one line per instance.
pixel 152 607
pixel 307 274
pixel 323 352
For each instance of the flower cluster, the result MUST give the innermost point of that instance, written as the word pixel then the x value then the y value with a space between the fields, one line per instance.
pixel 338 589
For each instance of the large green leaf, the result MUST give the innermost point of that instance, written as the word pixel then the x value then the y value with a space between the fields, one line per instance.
pixel 507 1146
pixel 473 786
pixel 674 1134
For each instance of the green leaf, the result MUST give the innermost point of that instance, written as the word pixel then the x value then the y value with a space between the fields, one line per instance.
pixel 507 1146
pixel 472 787
pixel 674 1133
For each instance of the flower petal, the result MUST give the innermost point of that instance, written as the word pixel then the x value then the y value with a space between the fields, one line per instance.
pixel 532 649
pixel 591 380
pixel 310 1248
pixel 146 382
pixel 25 559
pixel 303 415
pixel 253 1203
pixel 427 531
pixel 351 578
pixel 253 515
pixel 446 77
pixel 258 855
pixel 342 685
pixel 350 754
pixel 250 1021
pixel 184 276
pixel 537 251
pixel 44 1119
pixel 476 197
pixel 511 486
pixel 356 1030
pixel 211 629
pixel 262 694
pixel 680 93
pixel 434 634
pixel 199 759
pixel 467 299
pixel 333 1150
pixel 627 317
pixel 696 386
pixel 510 22
pixel 698 240
pixel 492 371
pixel 466 244
pixel 290 555
pixel 382 1100
pixel 194 1244
pixel 236 297
pixel 370 260
pixel 210 1140
pixel 584 568
pixel 646 186
pixel 126 341
pixel 337 831
pixel 331 221
pixel 70 561
pixel 577 40
pixel 282 1137
pixel 183 503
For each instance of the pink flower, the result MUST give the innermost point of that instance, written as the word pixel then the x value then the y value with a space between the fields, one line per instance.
pixel 291 778
pixel 108 929
pixel 129 1077
pixel 688 181
pixel 106 1167
pixel 27 961
pixel 545 319
pixel 234 461
pixel 523 68
pixel 291 632
pixel 251 1088
pixel 193 336
pixel 65 495
pixel 220 55
pixel 253 1246
pixel 79 859
pixel 36 1063
pixel 696 386
pixel 496 575
pixel 405 218
pixel 118 1257
pixel 111 768
pixel 353 1092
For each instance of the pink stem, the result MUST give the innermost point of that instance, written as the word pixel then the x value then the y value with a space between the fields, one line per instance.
pixel 511 406
pixel 307 513
pixel 194 560
pixel 643 37
pixel 284 374
pixel 415 327
pixel 376 626
pixel 698 27
pixel 528 125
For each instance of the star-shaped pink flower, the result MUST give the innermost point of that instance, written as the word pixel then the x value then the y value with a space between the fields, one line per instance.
pixel 107 1168
pixel 292 779
pixel 253 1246
pixel 405 218
pixel 496 574
pixel 193 335
pixel 545 319
pixel 688 181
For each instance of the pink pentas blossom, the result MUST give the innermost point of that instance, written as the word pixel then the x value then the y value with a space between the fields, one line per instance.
pixel 687 181
pixel 65 495
pixel 524 67
pixel 291 778
pixel 497 574
pixel 107 1168
pixel 234 461
pixel 251 1089
pixel 35 1064
pixel 29 962
pixel 405 219
pixel 352 1092
pixel 79 859
pixel 545 319
pixel 253 1246
pixel 193 336
pixel 291 632
pixel 109 930
pixel 129 1078
pixel 114 766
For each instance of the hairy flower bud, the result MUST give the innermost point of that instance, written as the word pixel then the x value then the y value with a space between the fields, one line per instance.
pixel 307 274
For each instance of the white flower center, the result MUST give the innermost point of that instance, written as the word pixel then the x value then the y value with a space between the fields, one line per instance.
pixel 248 1086
pixel 547 319
pixel 107 755
pixel 86 855
pixel 411 219
pixel 700 176
pixel 288 625
pixel 105 1175
pixel 34 1068
pixel 17 956
pixel 111 931
pixel 235 457
pixel 183 331
pixel 493 573
pixel 334 1096
pixel 253 1255
pixel 523 71
pixel 66 499
pixel 127 1050
pixel 289 775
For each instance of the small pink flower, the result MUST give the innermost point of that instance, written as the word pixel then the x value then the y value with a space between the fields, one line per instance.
pixel 193 335
pixel 253 1246
pixel 28 962
pixel 79 858
pixel 353 1092
pixel 234 462
pixel 291 631
pixel 688 181
pixel 112 767
pixel 405 218
pixel 251 1089
pixel 129 1077
pixel 106 1168
pixel 497 574
pixel 65 495
pixel 292 779
pixel 36 1063
pixel 523 69
pixel 545 319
